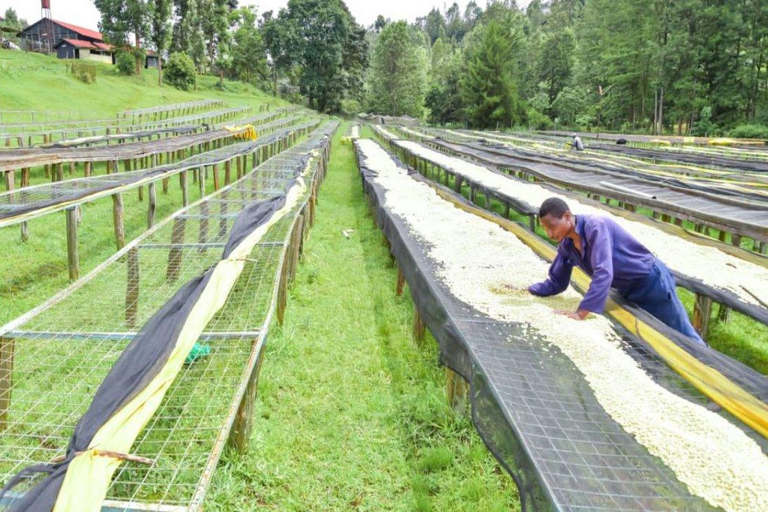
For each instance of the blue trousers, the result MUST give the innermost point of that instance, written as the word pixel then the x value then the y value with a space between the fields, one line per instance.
pixel 657 295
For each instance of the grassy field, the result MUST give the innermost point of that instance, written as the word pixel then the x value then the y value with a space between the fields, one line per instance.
pixel 36 269
pixel 352 413
pixel 30 81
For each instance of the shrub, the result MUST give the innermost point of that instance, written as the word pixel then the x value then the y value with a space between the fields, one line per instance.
pixel 180 71
pixel 84 72
pixel 539 121
pixel 125 63
pixel 750 131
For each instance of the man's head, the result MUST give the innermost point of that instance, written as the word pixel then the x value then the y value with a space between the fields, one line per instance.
pixel 556 218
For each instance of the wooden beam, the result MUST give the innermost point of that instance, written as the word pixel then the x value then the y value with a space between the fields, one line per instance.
pixel 6 379
pixel 118 217
pixel 419 327
pixel 10 181
pixel 456 390
pixel 152 206
pixel 400 282
pixel 184 183
pixel 243 424
pixel 132 288
pixel 73 255
pixel 176 252
pixel 702 310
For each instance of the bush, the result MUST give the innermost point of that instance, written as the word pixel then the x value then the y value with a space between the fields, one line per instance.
pixel 125 63
pixel 84 72
pixel 180 71
pixel 539 121
pixel 750 131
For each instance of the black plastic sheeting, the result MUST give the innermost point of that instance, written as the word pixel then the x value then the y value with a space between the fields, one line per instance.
pixel 747 219
pixel 728 298
pixel 137 366
pixel 533 408
pixel 690 158
pixel 125 180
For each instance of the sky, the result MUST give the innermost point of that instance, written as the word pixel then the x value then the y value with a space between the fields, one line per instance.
pixel 84 14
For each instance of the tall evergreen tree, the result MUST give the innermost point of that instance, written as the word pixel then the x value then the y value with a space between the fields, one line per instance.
pixel 120 18
pixel 488 85
pixel 160 30
pixel 398 74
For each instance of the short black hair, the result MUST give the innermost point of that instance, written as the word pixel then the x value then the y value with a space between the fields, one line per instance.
pixel 555 207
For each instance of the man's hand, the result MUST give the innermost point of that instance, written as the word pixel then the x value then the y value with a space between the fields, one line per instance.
pixel 578 315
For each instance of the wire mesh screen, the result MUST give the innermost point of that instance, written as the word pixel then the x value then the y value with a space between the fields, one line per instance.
pixel 62 352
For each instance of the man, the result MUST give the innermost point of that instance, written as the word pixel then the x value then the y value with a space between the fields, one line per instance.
pixel 612 257
pixel 577 144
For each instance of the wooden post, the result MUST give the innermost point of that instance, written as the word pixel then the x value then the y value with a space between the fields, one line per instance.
pixel 457 390
pixel 735 240
pixel 203 234
pixel 702 310
pixel 127 165
pixel 141 193
pixel 243 425
pixel 282 292
pixel 10 180
pixel 6 379
pixel 228 172
pixel 152 205
pixel 88 169
pixel 59 174
pixel 166 182
pixel 118 216
pixel 201 181
pixel 400 282
pixel 176 253
pixel 25 177
pixel 132 289
pixel 215 177
pixel 73 256
pixel 723 313
pixel 183 182
pixel 419 327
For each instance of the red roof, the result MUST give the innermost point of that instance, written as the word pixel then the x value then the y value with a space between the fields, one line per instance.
pixel 80 30
pixel 77 43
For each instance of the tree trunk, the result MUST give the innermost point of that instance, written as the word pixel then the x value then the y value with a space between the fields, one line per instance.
pixel 661 111
pixel 159 68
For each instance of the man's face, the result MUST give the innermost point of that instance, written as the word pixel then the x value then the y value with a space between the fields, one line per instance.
pixel 557 229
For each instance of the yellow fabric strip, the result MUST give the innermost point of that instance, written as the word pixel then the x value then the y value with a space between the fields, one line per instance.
pixel 707 380
pixel 89 474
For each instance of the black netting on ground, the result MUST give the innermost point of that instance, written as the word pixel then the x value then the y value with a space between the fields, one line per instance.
pixel 533 407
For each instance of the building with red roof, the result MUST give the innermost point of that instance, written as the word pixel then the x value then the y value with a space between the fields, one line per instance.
pixel 71 42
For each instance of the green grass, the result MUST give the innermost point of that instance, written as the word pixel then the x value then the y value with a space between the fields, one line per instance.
pixel 30 81
pixel 352 413
pixel 37 269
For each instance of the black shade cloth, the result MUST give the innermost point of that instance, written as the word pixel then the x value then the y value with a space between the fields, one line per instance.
pixel 532 407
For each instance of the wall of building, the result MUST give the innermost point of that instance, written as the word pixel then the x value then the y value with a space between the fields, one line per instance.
pixel 98 57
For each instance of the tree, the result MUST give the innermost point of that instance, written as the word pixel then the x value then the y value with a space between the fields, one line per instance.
pixel 120 18
pixel 488 85
pixel 248 55
pixel 434 25
pixel 214 20
pixel 380 23
pixel 188 32
pixel 397 77
pixel 160 30
pixel 320 39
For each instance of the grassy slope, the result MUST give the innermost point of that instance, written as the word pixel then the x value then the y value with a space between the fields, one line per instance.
pixel 38 268
pixel 352 413
pixel 38 82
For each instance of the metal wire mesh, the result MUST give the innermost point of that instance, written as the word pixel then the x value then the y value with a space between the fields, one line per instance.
pixel 64 349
